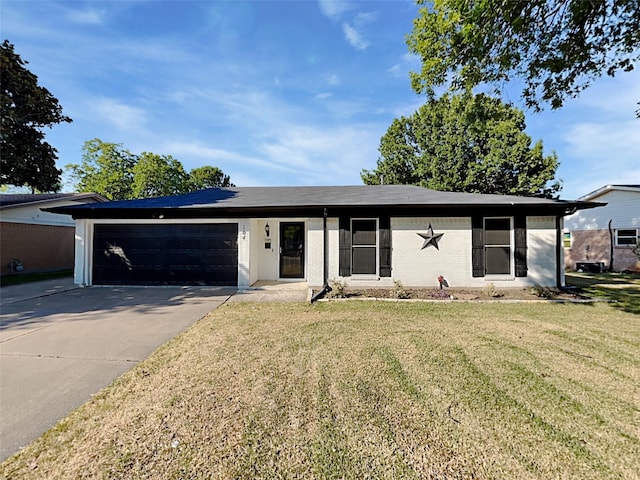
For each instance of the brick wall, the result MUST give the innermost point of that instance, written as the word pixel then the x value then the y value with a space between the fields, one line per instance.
pixel 41 248
pixel 599 246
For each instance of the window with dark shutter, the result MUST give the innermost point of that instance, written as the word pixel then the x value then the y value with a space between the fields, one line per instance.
pixel 477 246
pixel 497 246
pixel 364 247
pixel 384 229
pixel 344 240
pixel 520 251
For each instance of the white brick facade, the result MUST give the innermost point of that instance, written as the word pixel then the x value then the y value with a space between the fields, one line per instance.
pixel 412 265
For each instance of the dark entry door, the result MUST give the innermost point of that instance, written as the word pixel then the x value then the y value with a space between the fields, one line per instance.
pixel 292 250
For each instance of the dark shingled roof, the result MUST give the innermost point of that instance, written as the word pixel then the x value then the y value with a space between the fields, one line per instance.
pixel 246 200
pixel 20 199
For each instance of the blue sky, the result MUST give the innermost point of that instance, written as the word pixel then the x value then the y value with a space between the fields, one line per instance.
pixel 273 93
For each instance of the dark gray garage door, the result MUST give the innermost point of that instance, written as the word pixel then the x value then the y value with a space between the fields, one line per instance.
pixel 177 254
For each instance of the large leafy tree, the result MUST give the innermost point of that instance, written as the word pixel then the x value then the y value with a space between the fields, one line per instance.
pixel 208 177
pixel 106 168
pixel 556 47
pixel 26 159
pixel 465 143
pixel 117 174
pixel 158 175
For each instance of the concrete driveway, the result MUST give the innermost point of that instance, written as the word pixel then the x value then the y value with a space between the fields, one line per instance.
pixel 59 345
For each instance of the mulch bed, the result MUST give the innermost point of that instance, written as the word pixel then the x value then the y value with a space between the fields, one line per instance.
pixel 468 294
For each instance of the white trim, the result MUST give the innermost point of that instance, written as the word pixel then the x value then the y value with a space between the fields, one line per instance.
pixel 627 245
pixel 608 188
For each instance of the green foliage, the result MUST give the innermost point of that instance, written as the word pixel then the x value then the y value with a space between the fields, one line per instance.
pixel 208 177
pixel 106 168
pixel 158 175
pixel 543 292
pixel 465 143
pixel 25 109
pixel 117 174
pixel 556 47
pixel 398 291
pixel 338 288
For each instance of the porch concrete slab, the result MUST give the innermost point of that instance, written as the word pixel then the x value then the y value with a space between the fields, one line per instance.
pixel 267 291
pixel 58 349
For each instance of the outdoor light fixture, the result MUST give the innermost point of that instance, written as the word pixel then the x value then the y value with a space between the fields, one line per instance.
pixel 267 229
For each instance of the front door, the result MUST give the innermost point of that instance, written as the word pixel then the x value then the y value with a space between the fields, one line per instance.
pixel 292 250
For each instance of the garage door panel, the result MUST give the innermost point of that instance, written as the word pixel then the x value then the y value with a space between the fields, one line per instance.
pixel 179 254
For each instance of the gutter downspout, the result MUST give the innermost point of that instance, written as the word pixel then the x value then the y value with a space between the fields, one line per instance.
pixel 559 253
pixel 325 288
pixel 610 269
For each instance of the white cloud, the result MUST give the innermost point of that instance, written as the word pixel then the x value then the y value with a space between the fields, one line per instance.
pixel 334 8
pixel 333 79
pixel 218 157
pixel 363 18
pixel 123 117
pixel 394 70
pixel 355 38
pixel 598 154
pixel 323 95
pixel 87 17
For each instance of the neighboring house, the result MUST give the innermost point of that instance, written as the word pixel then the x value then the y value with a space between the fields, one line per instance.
pixel 605 237
pixel 35 241
pixel 364 235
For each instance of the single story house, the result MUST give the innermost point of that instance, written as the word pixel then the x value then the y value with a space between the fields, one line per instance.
pixel 604 238
pixel 32 240
pixel 362 235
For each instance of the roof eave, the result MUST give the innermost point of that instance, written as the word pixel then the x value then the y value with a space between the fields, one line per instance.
pixel 208 211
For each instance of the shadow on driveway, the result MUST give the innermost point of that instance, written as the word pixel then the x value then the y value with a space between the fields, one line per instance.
pixel 58 350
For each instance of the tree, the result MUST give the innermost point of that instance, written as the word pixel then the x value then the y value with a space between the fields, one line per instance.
pixel 117 174
pixel 158 175
pixel 106 168
pixel 465 143
pixel 26 108
pixel 557 47
pixel 208 177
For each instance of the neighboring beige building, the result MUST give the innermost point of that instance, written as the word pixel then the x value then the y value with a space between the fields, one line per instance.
pixel 604 237
pixel 35 241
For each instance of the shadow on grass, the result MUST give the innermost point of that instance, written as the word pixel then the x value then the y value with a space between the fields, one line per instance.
pixel 17 279
pixel 623 288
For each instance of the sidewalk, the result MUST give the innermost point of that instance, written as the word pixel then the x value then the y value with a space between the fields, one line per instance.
pixel 23 291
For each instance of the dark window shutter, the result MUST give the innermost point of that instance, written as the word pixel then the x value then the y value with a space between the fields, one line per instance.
pixel 384 227
pixel 477 246
pixel 344 267
pixel 520 254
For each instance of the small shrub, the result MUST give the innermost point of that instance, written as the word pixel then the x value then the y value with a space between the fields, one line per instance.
pixel 543 292
pixel 338 288
pixel 398 290
pixel 491 291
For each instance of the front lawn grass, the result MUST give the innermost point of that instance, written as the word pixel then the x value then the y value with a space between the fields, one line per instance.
pixel 367 390
pixel 623 288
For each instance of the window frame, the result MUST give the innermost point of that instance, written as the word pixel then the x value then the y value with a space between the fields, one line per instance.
pixel 511 246
pixel 636 237
pixel 376 222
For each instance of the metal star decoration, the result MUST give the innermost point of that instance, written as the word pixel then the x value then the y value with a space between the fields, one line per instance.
pixel 430 238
